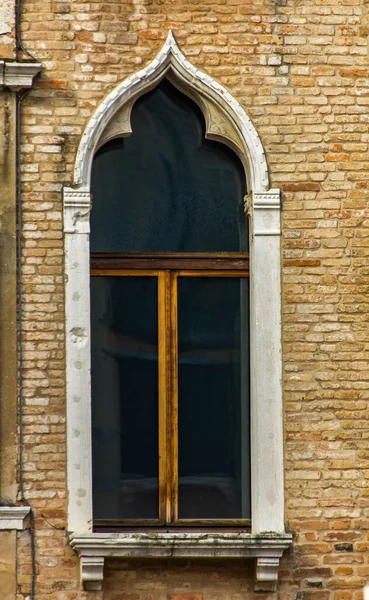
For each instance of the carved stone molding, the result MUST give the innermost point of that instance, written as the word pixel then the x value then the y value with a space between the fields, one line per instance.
pixel 218 125
pixel 16 75
pixel 119 126
pixel 268 199
pixel 77 206
pixel 94 547
pixel 170 60
pixel 14 517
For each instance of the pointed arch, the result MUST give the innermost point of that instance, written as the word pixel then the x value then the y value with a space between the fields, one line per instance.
pixel 171 59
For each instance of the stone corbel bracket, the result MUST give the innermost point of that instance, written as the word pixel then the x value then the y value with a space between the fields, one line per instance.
pixel 92 572
pixel 266 548
pixel 266 573
pixel 14 517
pixel 17 76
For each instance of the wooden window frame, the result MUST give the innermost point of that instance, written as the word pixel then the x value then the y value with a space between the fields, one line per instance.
pixel 167 267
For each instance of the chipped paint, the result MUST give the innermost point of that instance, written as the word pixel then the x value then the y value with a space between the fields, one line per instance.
pixel 7 23
pixel 7 17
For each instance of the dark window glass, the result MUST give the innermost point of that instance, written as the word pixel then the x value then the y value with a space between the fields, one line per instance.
pixel 213 398
pixel 124 355
pixel 165 188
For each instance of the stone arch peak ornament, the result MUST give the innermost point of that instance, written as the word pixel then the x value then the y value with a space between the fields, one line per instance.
pixel 170 58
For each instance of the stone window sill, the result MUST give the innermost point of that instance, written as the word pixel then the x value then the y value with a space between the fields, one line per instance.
pixel 266 549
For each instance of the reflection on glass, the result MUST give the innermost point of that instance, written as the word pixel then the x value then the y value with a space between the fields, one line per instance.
pixel 124 354
pixel 213 397
pixel 165 188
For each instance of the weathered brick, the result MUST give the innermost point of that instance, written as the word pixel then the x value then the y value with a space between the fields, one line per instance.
pixel 300 70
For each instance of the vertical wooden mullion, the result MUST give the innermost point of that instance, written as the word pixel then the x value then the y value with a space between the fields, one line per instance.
pixel 168 384
pixel 164 394
pixel 174 395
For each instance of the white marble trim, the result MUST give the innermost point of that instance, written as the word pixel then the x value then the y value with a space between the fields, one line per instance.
pixel 18 75
pixel 95 547
pixel 14 517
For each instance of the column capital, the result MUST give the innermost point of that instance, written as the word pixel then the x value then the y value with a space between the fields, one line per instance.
pixel 266 213
pixel 77 206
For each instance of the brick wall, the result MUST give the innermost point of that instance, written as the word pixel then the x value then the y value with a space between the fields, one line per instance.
pixel 300 69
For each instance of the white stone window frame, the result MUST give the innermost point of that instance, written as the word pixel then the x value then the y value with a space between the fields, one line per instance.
pixel 268 539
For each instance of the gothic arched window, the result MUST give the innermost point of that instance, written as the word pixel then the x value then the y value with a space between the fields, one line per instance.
pixel 169 322
pixel 186 355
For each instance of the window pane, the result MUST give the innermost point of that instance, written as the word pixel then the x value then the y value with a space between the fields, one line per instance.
pixel 213 396
pixel 165 188
pixel 124 353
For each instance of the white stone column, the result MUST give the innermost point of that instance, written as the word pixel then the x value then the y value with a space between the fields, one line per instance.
pixel 266 365
pixel 77 307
